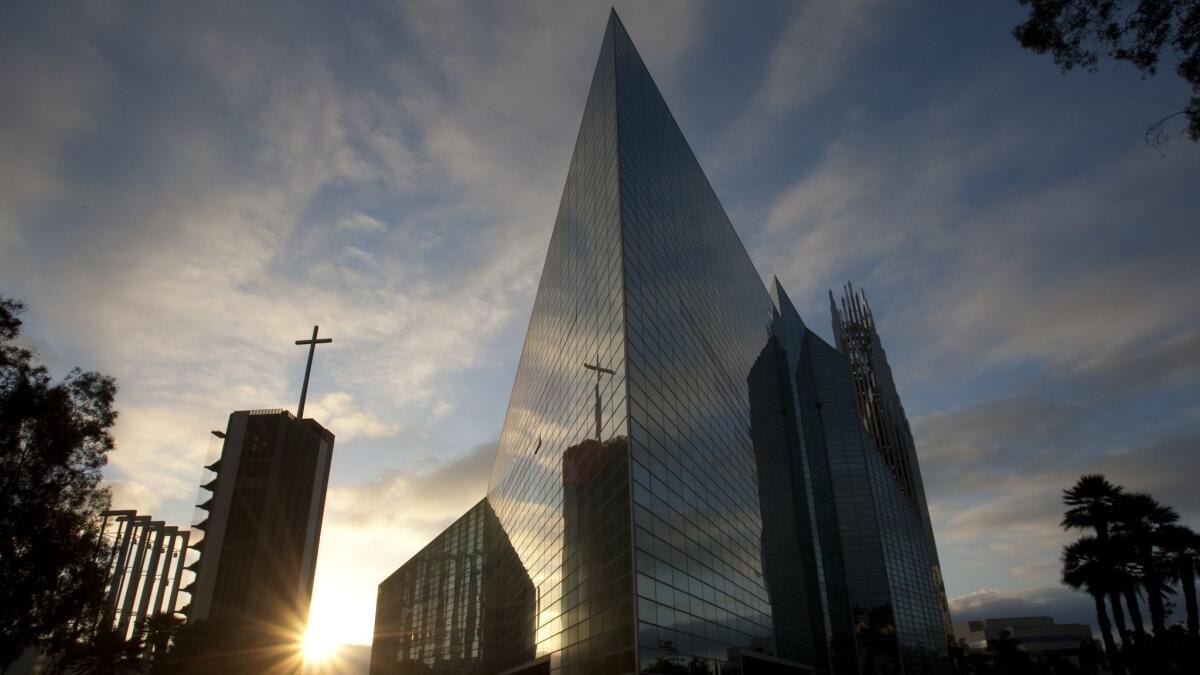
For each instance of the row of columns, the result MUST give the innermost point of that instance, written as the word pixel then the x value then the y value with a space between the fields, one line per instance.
pixel 145 559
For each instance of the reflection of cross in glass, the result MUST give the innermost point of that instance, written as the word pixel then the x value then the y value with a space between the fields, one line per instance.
pixel 600 370
pixel 312 348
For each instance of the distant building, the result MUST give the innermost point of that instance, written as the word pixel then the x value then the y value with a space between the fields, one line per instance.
pixel 145 559
pixel 260 528
pixel 1038 634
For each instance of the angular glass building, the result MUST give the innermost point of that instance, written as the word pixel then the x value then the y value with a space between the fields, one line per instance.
pixel 878 582
pixel 882 414
pixel 683 476
pixel 442 611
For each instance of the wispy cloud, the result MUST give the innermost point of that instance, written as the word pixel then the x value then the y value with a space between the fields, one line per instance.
pixel 60 87
pixel 187 190
pixel 181 203
pixel 808 57
pixel 373 527
pixel 338 413
pixel 1056 292
pixel 1063 605
pixel 134 495
pixel 995 473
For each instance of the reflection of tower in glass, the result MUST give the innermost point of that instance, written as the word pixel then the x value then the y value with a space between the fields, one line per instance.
pixel 791 553
pixel 597 563
pixel 509 601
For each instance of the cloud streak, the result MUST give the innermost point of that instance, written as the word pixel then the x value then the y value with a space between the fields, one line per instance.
pixel 188 190
pixel 373 527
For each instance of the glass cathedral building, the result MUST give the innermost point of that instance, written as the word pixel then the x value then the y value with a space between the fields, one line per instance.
pixel 683 482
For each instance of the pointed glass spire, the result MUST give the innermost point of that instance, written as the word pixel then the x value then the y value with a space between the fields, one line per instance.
pixel 664 401
pixel 644 277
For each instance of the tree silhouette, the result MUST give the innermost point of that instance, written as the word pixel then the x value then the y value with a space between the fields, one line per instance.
pixel 1139 519
pixel 1182 549
pixel 1092 501
pixel 1141 32
pixel 1090 657
pixel 54 438
pixel 230 647
pixel 1092 504
pixel 1127 574
pixel 108 652
pixel 161 630
pixel 1086 566
pixel 1138 548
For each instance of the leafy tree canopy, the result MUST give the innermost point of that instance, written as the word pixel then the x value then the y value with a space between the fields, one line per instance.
pixel 54 439
pixel 1141 32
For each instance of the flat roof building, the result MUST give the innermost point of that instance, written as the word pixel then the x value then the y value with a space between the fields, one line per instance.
pixel 1038 634
pixel 261 528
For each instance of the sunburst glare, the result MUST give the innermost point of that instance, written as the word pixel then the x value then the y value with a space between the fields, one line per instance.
pixel 318 645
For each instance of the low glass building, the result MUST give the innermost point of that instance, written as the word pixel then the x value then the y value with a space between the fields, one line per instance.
pixel 462 596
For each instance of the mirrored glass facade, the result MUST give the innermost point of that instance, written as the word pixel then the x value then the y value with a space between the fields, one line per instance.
pixel 645 277
pixel 880 601
pixel 456 601
pixel 792 550
pixel 883 415
pixel 429 614
pixel 879 580
pixel 578 320
pixel 683 481
pixel 696 318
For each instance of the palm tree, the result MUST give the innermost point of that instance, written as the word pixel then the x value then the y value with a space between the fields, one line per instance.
pixel 1086 567
pixel 1091 505
pixel 1138 518
pixel 1092 500
pixel 1129 572
pixel 1182 548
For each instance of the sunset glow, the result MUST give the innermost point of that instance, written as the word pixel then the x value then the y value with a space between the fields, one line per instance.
pixel 318 645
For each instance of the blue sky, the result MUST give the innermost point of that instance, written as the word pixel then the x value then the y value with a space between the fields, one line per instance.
pixel 188 188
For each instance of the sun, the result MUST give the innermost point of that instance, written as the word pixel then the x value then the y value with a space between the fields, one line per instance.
pixel 318 645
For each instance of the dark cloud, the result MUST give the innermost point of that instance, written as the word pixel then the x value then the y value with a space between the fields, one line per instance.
pixel 1005 428
pixel 184 185
pixel 1168 469
pixel 1061 604
pixel 995 472
pixel 415 501
pixel 1161 363
pixel 1005 450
